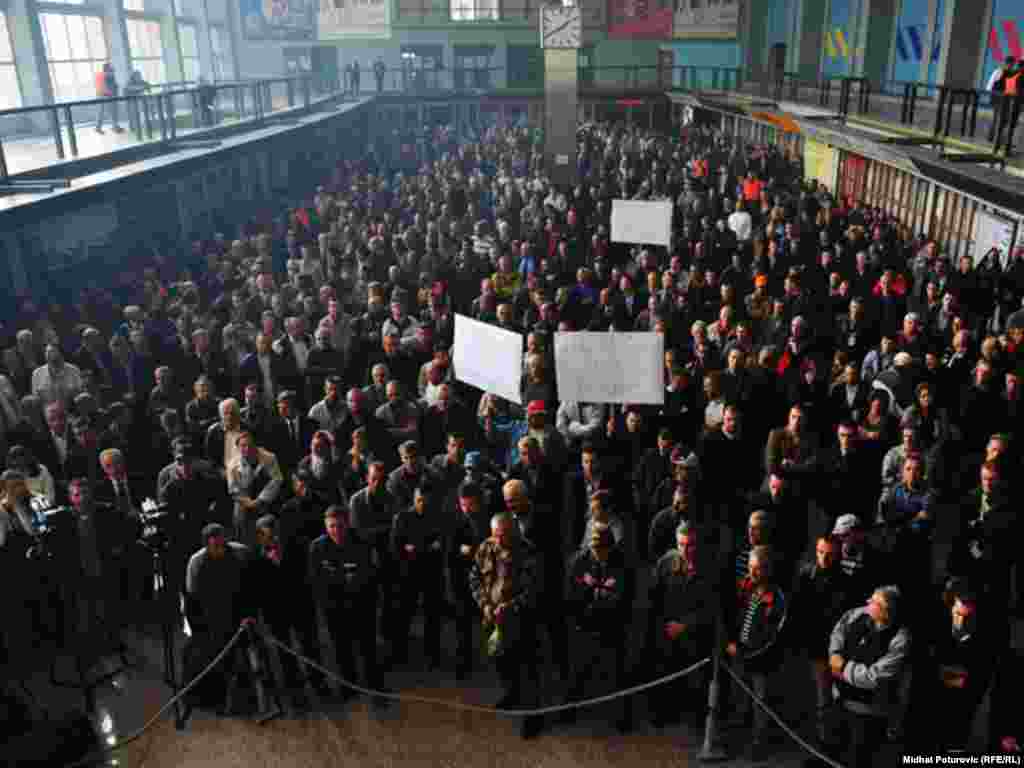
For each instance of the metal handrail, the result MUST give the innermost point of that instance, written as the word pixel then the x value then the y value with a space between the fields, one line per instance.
pixel 150 113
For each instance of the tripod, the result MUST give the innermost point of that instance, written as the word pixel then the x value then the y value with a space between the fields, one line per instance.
pixel 169 613
pixel 72 603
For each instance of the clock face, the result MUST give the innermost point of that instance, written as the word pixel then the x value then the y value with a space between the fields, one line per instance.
pixel 560 27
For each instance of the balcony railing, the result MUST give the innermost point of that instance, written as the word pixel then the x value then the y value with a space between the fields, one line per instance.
pixel 93 127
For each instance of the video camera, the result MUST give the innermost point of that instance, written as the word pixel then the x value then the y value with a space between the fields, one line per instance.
pixel 51 525
pixel 157 524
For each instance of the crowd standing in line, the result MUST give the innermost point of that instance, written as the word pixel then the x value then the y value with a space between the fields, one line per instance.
pixel 831 477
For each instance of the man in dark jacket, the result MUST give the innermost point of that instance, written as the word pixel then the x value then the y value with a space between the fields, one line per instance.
pixel 281 576
pixel 417 546
pixel 821 596
pixel 599 593
pixel 685 605
pixel 344 584
pixel 471 527
pixel 963 661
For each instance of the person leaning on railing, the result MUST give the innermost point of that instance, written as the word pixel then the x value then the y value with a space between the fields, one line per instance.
pixel 996 86
pixel 1009 114
pixel 106 88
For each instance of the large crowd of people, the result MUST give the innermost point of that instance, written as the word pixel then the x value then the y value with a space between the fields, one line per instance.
pixel 831 478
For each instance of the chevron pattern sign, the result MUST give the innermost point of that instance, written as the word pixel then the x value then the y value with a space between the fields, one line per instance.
pixel 910 42
pixel 1010 35
pixel 837 46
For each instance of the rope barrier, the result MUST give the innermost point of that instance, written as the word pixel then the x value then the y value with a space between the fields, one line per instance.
pixel 807 746
pixel 163 710
pixel 410 698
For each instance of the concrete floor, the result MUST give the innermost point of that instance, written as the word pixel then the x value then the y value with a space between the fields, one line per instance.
pixel 354 734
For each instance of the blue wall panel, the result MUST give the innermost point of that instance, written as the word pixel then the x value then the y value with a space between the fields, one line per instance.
pixel 707 53
pixel 780 22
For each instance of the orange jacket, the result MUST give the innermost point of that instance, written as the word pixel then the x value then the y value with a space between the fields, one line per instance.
pixel 1011 83
pixel 101 84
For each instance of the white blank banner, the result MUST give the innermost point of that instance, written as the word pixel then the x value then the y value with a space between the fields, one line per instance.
pixel 610 367
pixel 991 231
pixel 642 222
pixel 488 357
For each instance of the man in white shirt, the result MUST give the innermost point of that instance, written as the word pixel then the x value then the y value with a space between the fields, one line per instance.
pixel 741 223
pixel 57 380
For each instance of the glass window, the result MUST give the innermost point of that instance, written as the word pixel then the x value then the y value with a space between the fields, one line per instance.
pixel 76 50
pixel 223 68
pixel 188 36
pixel 145 46
pixel 135 5
pixel 474 10
pixel 10 91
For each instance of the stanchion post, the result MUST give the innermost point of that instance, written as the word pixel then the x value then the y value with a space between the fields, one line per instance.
pixel 711 750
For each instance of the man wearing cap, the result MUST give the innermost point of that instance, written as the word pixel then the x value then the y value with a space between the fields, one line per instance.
pixel 194 493
pixel 549 439
pixel 254 482
pixel 290 432
pixel 480 471
pixel 685 473
pixel 858 557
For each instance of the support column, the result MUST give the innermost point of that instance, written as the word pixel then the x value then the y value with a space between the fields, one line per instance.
pixel 118 48
pixel 205 43
pixel 876 37
pixel 754 36
pixel 30 50
pixel 963 50
pixel 560 98
pixel 805 47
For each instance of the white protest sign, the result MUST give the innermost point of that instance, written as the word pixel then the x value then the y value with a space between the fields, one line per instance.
pixel 991 231
pixel 488 357
pixel 610 367
pixel 642 222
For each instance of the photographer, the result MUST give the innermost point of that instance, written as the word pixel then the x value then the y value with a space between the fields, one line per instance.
pixel 193 495
pixel 96 585
pixel 29 602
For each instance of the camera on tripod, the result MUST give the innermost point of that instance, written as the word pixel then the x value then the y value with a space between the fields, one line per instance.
pixel 157 523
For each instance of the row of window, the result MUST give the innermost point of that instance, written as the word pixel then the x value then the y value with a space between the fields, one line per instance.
pixel 76 49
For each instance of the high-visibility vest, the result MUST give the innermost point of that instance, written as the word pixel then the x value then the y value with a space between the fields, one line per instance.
pixel 752 190
pixel 1011 83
